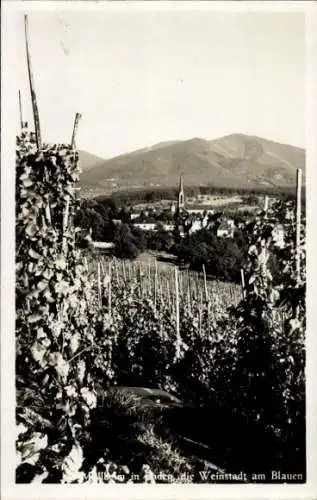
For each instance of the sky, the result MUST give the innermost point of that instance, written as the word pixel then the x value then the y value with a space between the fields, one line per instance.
pixel 139 77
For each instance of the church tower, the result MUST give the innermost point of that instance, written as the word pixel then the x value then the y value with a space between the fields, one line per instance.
pixel 181 196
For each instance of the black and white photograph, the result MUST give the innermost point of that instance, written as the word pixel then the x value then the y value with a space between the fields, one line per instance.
pixel 159 191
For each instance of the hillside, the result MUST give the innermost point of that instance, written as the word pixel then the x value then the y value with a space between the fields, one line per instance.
pixel 88 160
pixel 236 160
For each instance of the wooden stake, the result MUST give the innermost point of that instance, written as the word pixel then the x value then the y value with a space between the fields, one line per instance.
pixel 188 298
pixel 178 340
pixel 99 286
pixel 149 277
pixel 205 282
pixel 201 299
pixel 168 295
pixel 23 124
pixel 155 284
pixel 123 270
pixel 199 319
pixel 78 116
pixel 188 289
pixel 140 271
pixel 298 221
pixel 48 213
pixel 117 271
pixel 198 282
pixel 32 88
pixel 243 282
pixel 180 284
pixel 109 293
pixel 266 205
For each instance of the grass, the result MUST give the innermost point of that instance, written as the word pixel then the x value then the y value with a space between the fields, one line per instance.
pixel 125 433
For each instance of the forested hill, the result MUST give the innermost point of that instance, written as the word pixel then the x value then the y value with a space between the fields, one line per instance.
pixel 237 160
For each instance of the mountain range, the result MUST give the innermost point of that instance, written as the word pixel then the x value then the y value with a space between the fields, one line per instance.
pixel 235 160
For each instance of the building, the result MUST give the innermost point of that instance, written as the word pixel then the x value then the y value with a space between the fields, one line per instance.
pixel 195 226
pixel 134 216
pixel 181 197
pixel 103 245
pixel 146 226
pixel 194 217
pixel 188 218
pixel 199 210
pixel 188 206
pixel 226 229
pixel 169 227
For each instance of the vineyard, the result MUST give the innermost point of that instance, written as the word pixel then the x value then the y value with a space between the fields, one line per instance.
pixel 162 284
pixel 85 327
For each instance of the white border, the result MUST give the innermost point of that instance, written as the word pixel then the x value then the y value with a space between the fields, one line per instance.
pixel 11 491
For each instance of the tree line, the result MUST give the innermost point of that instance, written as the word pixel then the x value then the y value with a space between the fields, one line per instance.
pixel 171 193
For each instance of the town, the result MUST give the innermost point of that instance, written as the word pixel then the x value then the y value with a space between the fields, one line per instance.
pixel 207 232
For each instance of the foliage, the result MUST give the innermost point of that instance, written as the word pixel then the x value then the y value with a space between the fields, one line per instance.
pixel 267 378
pixel 222 257
pixel 54 313
pixel 77 333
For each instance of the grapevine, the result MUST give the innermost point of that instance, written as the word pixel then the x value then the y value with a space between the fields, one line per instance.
pixel 83 328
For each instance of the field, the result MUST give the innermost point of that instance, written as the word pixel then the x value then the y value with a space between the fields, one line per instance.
pixel 216 202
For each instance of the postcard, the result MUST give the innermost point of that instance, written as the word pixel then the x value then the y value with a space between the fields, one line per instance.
pixel 157 250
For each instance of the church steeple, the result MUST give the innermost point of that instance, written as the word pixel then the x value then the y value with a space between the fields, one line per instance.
pixel 181 196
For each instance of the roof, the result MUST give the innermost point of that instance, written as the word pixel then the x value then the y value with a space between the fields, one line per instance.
pixel 198 206
pixel 103 244
pixel 225 226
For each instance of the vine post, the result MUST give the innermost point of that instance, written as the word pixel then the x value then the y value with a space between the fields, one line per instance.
pixel 99 285
pixel 117 271
pixel 205 282
pixel 109 292
pixel 168 295
pixel 66 212
pixel 149 277
pixel 23 124
pixel 36 115
pixel 78 116
pixel 189 297
pixel 124 271
pixel 200 315
pixel 298 221
pixel 243 283
pixel 102 269
pixel 177 315
pixel 155 284
pixel 180 284
pixel 266 205
pixel 160 293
